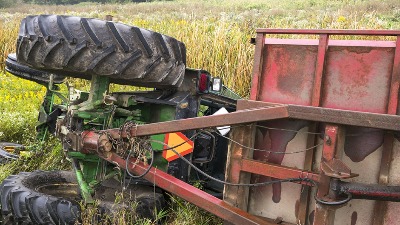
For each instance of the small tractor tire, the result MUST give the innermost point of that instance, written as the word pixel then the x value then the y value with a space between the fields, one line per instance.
pixel 40 197
pixel 52 197
pixel 83 47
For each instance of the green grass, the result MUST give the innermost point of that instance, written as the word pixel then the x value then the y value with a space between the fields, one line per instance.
pixel 216 34
pixel 48 156
pixel 19 104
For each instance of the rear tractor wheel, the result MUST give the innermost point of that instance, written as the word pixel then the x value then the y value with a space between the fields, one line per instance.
pixel 85 47
pixel 52 197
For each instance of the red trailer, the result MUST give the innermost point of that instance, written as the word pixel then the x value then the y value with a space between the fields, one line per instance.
pixel 353 153
pixel 323 116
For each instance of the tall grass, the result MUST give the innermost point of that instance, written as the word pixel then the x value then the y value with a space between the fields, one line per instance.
pixel 19 104
pixel 8 34
pixel 48 156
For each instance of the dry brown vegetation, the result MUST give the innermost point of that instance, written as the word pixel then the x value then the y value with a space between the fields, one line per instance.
pixel 217 33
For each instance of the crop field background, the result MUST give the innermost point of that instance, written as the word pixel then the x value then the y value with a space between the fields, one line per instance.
pixel 216 34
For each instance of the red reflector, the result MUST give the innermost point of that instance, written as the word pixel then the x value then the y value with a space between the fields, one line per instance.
pixel 203 82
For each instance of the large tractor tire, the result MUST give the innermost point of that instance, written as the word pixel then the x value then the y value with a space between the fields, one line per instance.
pixel 83 47
pixel 52 197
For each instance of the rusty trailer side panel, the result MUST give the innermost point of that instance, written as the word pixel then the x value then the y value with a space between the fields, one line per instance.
pixel 355 75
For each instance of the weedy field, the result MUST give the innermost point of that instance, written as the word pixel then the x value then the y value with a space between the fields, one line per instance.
pixel 216 34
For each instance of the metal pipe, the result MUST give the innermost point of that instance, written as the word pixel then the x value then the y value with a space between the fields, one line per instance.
pixel 367 191
pixel 83 186
pixel 277 171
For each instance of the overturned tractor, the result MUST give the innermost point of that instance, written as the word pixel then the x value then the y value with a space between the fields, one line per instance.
pixel 317 138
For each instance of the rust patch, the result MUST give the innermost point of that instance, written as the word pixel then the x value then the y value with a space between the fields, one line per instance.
pixel 357 50
pixel 311 217
pixel 276 192
pixel 361 142
pixel 357 79
pixel 353 218
pixel 184 105
pixel 296 208
pixel 288 74
pixel 275 140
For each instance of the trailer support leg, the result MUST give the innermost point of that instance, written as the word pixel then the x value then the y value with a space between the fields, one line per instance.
pixel 333 146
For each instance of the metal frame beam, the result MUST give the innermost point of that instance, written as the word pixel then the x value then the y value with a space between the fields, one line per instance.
pixel 330 32
pixel 189 193
pixel 270 111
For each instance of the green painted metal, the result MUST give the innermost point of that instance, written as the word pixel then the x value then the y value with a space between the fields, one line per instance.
pixel 86 172
pixel 93 113
pixel 127 113
pixel 44 111
pixel 164 113
pixel 98 88
pixel 167 112
pixel 159 138
pixel 159 161
pixel 81 156
pixel 90 171
pixel 86 190
pixel 96 114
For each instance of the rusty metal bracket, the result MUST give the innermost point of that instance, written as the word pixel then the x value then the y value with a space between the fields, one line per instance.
pixel 336 168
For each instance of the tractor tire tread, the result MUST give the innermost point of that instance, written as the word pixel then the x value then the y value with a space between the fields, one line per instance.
pixel 21 204
pixel 85 47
